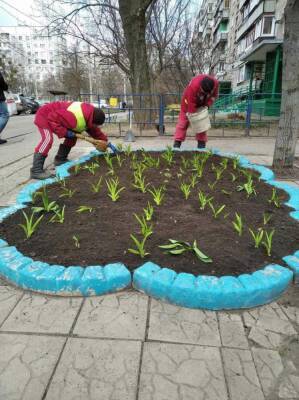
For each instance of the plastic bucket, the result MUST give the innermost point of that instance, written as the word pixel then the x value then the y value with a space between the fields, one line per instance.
pixel 199 121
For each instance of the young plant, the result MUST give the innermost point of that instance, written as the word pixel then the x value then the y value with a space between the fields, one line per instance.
pixel 76 241
pixel 62 183
pixel 120 160
pixel 248 187
pixel 58 215
pixel 235 162
pixel 226 192
pixel 186 189
pixel 68 193
pixel 212 185
pixel 128 150
pixel 204 199
pixel 140 183
pixel 97 186
pixel 77 168
pixel 109 161
pixel 30 226
pixel 145 229
pixel 257 237
pixel 82 209
pixel 238 224
pixel 48 205
pixel 234 177
pixel 275 199
pixel 185 162
pixel 266 218
pixel 158 194
pixel 92 167
pixel 267 242
pixel 224 163
pixel 216 211
pixel 114 189
pixel 218 171
pixel 177 247
pixel 193 180
pixel 140 246
pixel 168 155
pixel 148 211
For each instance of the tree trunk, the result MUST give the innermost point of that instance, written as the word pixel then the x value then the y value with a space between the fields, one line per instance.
pixel 133 16
pixel 288 129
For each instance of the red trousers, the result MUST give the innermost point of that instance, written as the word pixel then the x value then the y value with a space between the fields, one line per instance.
pixel 46 142
pixel 181 129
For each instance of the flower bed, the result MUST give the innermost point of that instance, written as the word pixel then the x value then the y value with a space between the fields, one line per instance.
pixel 193 212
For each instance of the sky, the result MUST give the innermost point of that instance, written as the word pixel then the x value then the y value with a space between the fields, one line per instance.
pixel 14 12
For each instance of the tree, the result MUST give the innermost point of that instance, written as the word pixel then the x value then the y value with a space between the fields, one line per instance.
pixel 288 129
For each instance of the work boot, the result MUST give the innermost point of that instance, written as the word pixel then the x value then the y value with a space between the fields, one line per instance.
pixel 201 144
pixel 3 141
pixel 177 144
pixel 61 156
pixel 37 171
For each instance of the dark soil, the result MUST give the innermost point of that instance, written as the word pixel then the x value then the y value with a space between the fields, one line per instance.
pixel 104 234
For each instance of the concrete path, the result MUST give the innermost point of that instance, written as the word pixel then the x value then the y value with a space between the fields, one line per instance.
pixel 128 346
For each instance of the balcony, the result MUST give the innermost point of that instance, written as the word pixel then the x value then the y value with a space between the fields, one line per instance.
pixel 259 49
pixel 246 25
pixel 220 37
pixel 221 16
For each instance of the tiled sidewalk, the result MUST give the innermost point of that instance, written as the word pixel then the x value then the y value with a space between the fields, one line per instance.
pixel 127 346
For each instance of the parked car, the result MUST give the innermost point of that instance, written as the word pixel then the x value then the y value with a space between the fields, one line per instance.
pixel 11 105
pixel 19 103
pixel 30 105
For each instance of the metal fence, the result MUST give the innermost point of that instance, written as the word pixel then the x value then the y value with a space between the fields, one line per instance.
pixel 238 114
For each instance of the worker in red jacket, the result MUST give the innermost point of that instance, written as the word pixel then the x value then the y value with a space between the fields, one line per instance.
pixel 63 118
pixel 201 92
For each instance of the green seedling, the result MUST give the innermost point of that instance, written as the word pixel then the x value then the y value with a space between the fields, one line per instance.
pixel 168 155
pixel 109 160
pixel 266 218
pixel 247 187
pixel 177 247
pixel 58 215
pixel 146 230
pixel 257 237
pixel 234 177
pixel 212 185
pixel 68 193
pixel 216 211
pixel 48 205
pixel 120 160
pixel 148 211
pixel 186 189
pixel 185 162
pixel 158 194
pixel 238 224
pixel 247 174
pixel 76 241
pixel 30 226
pixel 95 187
pixel 235 162
pixel 120 147
pixel 193 180
pixel 128 150
pixel 204 199
pixel 92 167
pixel 267 242
pixel 62 183
pixel 82 209
pixel 140 247
pixel 224 163
pixel 114 189
pixel 218 171
pixel 140 183
pixel 275 199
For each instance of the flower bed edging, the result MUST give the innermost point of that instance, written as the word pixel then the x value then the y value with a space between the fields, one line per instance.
pixel 226 292
pixel 57 279
pixel 293 262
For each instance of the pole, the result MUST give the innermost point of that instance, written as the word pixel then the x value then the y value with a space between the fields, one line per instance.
pixel 275 73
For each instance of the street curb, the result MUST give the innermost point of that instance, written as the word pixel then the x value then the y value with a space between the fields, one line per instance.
pixel 57 279
pixel 210 292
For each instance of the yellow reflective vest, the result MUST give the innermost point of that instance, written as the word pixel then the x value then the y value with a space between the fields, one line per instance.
pixel 76 109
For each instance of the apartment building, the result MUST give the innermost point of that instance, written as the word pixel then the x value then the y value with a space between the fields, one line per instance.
pixel 36 55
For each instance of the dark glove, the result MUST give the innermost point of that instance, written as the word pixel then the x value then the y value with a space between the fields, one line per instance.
pixel 70 134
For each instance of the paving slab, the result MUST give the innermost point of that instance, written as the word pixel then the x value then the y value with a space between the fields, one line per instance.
pixel 92 369
pixel 121 315
pixel 42 314
pixel 170 323
pixel 181 372
pixel 292 313
pixel 8 299
pixel 26 364
pixel 242 379
pixel 232 330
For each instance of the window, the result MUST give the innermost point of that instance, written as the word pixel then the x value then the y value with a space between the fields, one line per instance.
pixel 250 38
pixel 51 61
pixel 241 74
pixel 36 61
pixel 258 27
pixel 20 37
pixel 42 45
pixel 36 54
pixel 268 26
pixel 27 37
pixel 44 61
pixel 226 3
pixel 221 66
